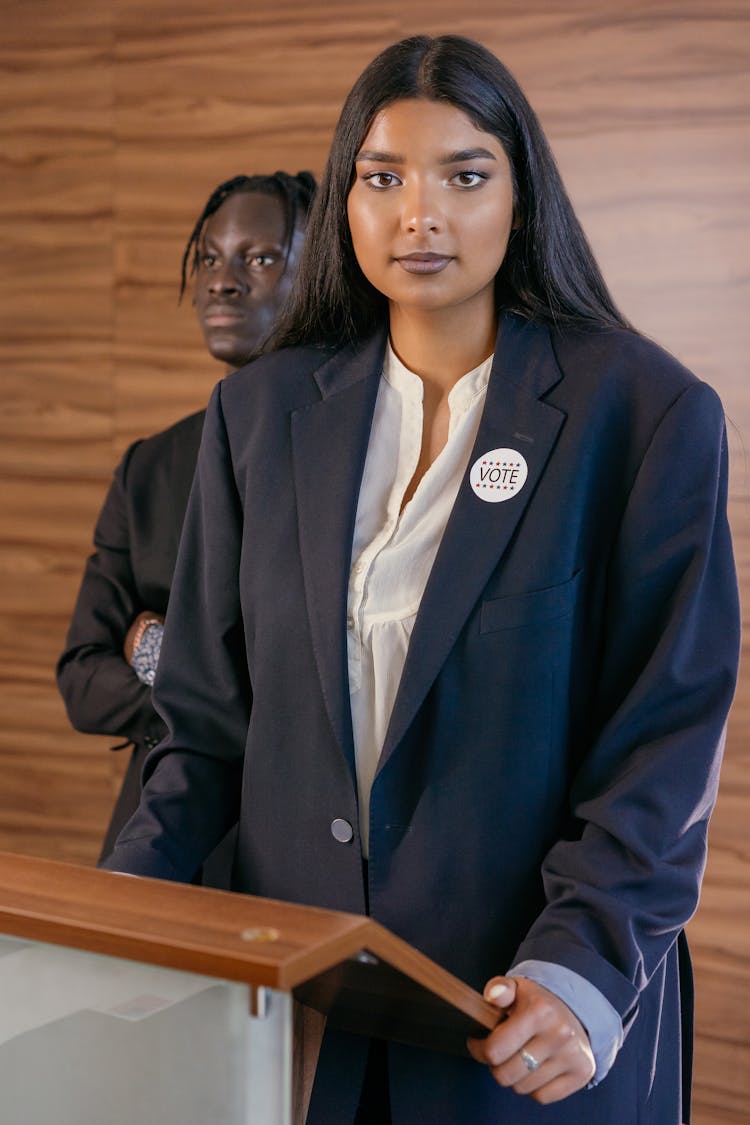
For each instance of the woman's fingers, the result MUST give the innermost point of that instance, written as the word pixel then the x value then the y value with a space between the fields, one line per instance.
pixel 541 1049
pixel 500 991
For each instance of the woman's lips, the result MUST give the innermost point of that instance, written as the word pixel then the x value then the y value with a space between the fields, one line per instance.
pixel 424 263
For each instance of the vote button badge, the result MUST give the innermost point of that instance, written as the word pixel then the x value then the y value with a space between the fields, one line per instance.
pixel 498 475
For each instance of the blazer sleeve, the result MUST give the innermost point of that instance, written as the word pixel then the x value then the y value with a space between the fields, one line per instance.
pixel 627 879
pixel 192 780
pixel 102 693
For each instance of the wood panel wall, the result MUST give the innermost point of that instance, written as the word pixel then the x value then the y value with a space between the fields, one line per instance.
pixel 117 117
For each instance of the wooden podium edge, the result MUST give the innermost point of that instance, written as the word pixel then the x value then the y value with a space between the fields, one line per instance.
pixel 228 936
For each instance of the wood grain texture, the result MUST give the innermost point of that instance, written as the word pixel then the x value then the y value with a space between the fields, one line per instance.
pixel 116 121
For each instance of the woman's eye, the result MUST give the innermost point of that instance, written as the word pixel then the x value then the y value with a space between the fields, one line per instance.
pixel 208 260
pixel 469 179
pixel 382 179
pixel 261 260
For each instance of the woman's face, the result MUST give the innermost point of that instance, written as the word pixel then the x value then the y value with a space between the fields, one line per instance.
pixel 243 274
pixel 431 207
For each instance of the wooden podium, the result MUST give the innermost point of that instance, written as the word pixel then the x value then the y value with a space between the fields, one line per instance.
pixel 127 999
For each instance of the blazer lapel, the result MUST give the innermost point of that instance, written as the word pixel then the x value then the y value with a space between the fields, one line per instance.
pixel 329 445
pixel 478 533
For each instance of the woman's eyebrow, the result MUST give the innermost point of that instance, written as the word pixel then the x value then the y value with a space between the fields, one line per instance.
pixel 380 157
pixel 450 158
pixel 467 154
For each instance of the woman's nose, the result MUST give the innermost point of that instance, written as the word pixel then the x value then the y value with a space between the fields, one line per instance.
pixel 421 213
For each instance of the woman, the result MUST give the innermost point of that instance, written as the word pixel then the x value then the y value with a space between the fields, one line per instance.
pixel 463 605
pixel 243 251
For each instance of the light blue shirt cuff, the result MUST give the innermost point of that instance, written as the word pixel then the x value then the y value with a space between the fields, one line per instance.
pixel 593 1009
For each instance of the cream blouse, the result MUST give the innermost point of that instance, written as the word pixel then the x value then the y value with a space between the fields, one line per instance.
pixel 393 553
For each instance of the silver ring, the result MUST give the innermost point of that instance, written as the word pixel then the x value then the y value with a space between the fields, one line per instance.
pixel 528 1060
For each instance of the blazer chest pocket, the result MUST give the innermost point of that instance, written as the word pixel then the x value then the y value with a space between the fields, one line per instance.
pixel 516 611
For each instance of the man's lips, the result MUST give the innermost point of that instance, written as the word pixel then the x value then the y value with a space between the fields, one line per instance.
pixel 424 262
pixel 220 316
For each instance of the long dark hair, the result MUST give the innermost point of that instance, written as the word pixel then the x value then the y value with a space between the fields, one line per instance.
pixel 294 192
pixel 549 273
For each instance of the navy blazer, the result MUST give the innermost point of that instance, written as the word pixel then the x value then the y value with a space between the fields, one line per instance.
pixel 552 756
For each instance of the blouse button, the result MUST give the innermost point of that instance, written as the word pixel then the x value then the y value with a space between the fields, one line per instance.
pixel 342 831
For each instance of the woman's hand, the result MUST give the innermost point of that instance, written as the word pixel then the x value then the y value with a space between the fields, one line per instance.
pixel 541 1048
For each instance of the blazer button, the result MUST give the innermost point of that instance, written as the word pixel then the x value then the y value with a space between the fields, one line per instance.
pixel 342 830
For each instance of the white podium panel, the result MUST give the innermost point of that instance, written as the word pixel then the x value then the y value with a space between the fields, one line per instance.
pixel 87 1039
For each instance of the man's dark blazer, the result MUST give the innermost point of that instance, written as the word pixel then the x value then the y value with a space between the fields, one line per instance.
pixel 136 539
pixel 552 756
